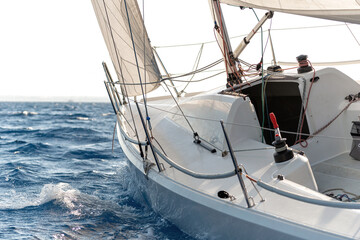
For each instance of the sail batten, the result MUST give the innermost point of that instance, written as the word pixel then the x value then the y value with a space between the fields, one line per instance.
pixel 342 11
pixel 129 48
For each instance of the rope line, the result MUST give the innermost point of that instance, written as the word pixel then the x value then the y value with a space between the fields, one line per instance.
pixel 137 64
pixel 352 33
pixel 196 65
pixel 244 35
pixel 182 113
pixel 119 65
pixel 248 125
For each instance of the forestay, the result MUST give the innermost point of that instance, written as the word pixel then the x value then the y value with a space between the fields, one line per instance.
pixel 123 30
pixel 343 11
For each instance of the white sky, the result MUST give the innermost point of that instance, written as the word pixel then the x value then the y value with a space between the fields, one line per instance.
pixel 54 48
pixel 50 48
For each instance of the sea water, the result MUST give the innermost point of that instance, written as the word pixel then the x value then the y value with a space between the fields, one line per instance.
pixel 62 176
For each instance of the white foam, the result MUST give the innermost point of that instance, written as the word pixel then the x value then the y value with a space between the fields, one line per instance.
pixel 83 118
pixel 146 235
pixel 61 192
pixel 26 113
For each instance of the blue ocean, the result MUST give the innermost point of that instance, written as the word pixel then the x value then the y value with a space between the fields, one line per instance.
pixel 63 177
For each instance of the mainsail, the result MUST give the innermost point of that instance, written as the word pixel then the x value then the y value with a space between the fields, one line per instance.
pixel 127 41
pixel 338 10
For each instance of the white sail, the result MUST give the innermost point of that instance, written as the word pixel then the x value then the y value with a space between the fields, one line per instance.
pixel 343 11
pixel 123 29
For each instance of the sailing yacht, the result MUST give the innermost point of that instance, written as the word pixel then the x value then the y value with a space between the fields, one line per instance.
pixel 272 153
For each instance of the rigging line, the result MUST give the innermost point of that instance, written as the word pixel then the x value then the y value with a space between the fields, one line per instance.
pixel 165 70
pixel 302 107
pixel 175 80
pixel 247 125
pixel 197 71
pixel 343 190
pixel 214 70
pixel 117 58
pixel 252 180
pixel 262 79
pixel 162 149
pixel 143 2
pixel 266 78
pixel 306 105
pixel 243 35
pixel 339 63
pixel 196 65
pixel 262 67
pixel 309 27
pixel 127 121
pixel 147 116
pixel 199 80
pixel 120 23
pixel 177 104
pixel 137 64
pixel 138 84
pixel 328 124
pixel 222 53
pixel 352 34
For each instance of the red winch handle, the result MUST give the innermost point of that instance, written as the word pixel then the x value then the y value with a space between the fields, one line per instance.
pixel 273 120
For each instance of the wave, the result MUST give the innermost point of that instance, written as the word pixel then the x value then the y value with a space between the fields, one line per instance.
pixel 73 201
pixel 85 154
pixel 75 135
pixel 31 148
pixel 61 194
pixel 17 130
pixel 23 113
pixel 12 142
pixel 75 116
pixel 83 118
pixel 60 180
pixel 66 131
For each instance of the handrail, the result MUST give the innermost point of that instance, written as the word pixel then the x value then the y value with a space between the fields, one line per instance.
pixel 192 173
pixel 177 166
pixel 348 205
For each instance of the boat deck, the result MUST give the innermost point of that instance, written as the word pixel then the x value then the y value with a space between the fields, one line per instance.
pixel 339 173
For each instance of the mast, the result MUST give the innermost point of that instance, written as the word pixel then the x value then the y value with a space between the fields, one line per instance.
pixel 234 74
pixel 223 40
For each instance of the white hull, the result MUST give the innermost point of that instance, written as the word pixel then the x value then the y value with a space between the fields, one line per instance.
pixel 207 217
pixel 192 204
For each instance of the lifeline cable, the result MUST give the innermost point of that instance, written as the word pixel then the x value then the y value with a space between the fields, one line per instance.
pixel 246 125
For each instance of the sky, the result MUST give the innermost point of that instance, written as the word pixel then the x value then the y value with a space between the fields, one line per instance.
pixel 53 49
pixel 50 49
